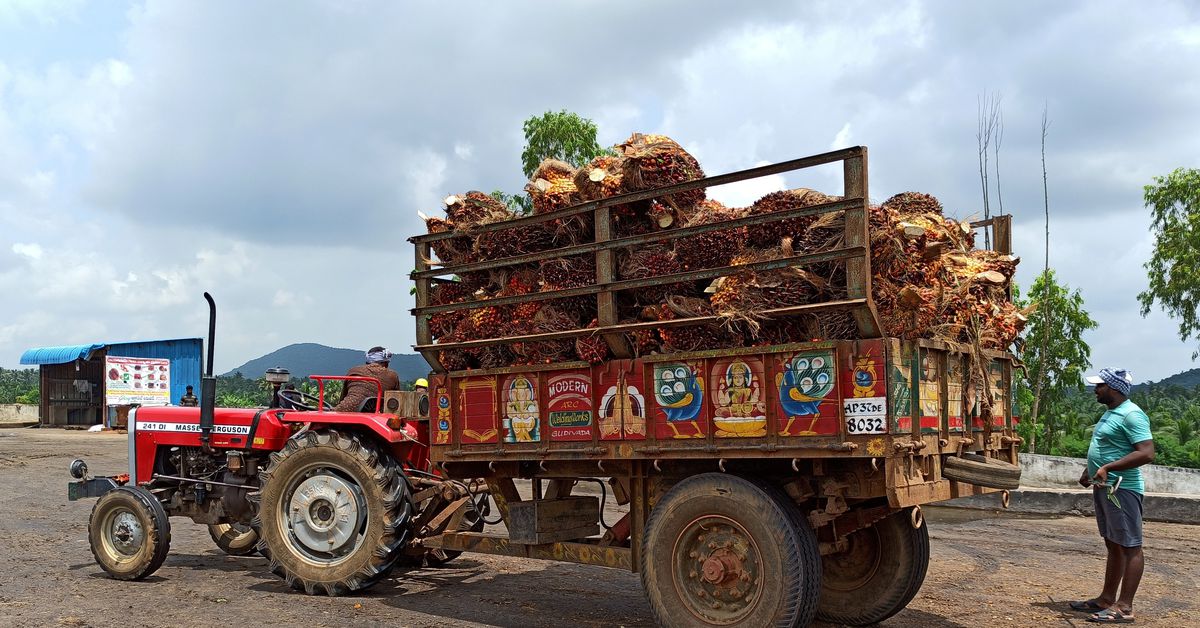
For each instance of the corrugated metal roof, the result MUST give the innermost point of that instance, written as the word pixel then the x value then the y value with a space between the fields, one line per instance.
pixel 58 355
pixel 184 354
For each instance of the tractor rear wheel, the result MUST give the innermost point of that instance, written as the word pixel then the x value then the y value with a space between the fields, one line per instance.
pixel 129 533
pixel 879 573
pixel 235 539
pixel 721 550
pixel 334 513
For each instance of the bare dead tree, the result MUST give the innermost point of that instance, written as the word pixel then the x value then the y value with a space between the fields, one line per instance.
pixel 998 112
pixel 1044 308
pixel 988 108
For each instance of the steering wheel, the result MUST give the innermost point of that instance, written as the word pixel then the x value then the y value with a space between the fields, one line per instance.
pixel 302 400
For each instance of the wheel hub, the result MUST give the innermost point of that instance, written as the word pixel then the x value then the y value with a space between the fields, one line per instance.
pixel 126 534
pixel 853 568
pixel 717 570
pixel 325 513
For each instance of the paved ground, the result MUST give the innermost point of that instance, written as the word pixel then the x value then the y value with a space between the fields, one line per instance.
pixel 985 571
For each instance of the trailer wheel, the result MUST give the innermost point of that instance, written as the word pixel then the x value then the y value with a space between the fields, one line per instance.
pixel 982 471
pixel 235 539
pixel 719 550
pixel 878 575
pixel 333 514
pixel 129 533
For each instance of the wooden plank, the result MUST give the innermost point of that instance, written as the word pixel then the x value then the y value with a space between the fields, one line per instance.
pixel 504 492
pixel 581 553
pixel 783 311
pixel 530 520
pixel 612 285
pixel 858 270
pixel 635 240
pixel 421 257
pixel 606 301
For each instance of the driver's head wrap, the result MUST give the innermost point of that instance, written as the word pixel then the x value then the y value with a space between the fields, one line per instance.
pixel 378 354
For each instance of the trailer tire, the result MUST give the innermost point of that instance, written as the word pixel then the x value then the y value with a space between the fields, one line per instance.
pixel 878 575
pixel 721 550
pixel 982 471
pixel 235 539
pixel 129 533
pixel 334 513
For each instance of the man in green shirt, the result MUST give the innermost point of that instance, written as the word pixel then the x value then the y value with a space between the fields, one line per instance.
pixel 1121 442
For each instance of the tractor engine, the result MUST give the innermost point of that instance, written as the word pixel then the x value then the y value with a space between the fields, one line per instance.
pixel 210 487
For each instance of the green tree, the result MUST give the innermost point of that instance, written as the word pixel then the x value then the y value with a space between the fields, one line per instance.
pixel 1061 316
pixel 562 135
pixel 1174 268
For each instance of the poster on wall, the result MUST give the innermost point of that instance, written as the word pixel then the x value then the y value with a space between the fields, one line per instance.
pixel 145 381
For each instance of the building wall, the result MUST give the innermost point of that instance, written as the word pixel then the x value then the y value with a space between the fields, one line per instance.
pixel 18 413
pixel 184 356
pixel 1038 471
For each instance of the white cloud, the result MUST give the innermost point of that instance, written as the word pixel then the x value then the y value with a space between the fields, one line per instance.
pixel 842 139
pixel 32 251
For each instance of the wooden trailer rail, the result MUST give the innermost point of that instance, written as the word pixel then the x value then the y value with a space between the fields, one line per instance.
pixel 855 252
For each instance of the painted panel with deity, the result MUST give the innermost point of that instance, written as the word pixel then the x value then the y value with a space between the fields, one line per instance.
pixel 954 391
pixel 679 399
pixel 739 403
pixel 900 389
pixel 864 405
pixel 994 396
pixel 806 388
pixel 477 407
pixel 521 413
pixel 930 401
pixel 622 402
pixel 569 406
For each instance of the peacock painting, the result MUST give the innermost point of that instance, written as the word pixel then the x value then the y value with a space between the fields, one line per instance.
pixel 803 384
pixel 679 392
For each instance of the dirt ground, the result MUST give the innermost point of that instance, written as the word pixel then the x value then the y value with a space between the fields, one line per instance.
pixel 985 571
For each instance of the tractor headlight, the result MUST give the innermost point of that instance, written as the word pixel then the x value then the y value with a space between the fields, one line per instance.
pixel 78 469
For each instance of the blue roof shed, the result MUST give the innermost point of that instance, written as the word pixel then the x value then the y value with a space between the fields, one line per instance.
pixel 184 354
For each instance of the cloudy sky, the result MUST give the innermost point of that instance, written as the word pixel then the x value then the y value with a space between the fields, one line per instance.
pixel 276 153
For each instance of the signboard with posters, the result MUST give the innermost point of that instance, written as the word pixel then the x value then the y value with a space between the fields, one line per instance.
pixel 145 381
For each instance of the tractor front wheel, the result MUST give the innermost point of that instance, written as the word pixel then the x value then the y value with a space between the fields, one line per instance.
pixel 129 533
pixel 334 513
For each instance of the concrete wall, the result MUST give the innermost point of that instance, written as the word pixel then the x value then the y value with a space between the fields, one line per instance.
pixel 1038 471
pixel 18 413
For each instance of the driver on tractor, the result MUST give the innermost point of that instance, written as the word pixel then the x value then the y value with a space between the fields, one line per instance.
pixel 356 394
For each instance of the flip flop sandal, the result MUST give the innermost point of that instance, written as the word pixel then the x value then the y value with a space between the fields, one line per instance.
pixel 1110 616
pixel 1089 606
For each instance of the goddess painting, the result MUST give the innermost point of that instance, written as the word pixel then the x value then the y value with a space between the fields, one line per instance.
pixel 521 412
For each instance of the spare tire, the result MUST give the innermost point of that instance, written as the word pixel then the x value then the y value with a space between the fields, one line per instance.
pixel 982 471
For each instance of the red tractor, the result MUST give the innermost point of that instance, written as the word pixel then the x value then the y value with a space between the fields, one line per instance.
pixel 333 499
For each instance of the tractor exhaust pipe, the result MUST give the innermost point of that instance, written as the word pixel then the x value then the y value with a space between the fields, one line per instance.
pixel 208 383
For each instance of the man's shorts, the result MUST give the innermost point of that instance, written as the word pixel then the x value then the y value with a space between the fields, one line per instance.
pixel 1123 525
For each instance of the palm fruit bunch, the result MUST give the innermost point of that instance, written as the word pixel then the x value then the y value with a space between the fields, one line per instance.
pixel 772 233
pixel 747 293
pixel 552 187
pixel 653 161
pixel 446 293
pixel 456 250
pixel 692 337
pixel 711 248
pixel 644 262
pixel 568 272
pixel 592 348
pixel 643 341
pixel 548 319
pixel 523 281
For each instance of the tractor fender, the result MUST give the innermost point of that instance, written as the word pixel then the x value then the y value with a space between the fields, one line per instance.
pixel 375 423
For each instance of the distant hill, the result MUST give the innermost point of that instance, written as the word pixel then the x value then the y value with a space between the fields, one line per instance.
pixel 1186 379
pixel 307 358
